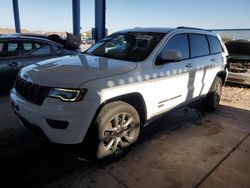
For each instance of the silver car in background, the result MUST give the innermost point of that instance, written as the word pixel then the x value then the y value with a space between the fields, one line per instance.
pixel 20 50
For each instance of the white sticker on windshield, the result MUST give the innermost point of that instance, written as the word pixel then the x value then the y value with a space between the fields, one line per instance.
pixel 144 37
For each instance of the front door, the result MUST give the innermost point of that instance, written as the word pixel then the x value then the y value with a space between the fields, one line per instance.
pixel 10 62
pixel 175 80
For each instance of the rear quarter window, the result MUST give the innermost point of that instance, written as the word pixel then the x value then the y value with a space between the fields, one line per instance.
pixel 199 45
pixel 214 43
pixel 37 48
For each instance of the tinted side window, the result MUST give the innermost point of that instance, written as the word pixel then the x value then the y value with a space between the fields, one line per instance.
pixel 29 47
pixel 179 42
pixel 8 49
pixel 215 46
pixel 199 45
pixel 39 49
pixel 1 47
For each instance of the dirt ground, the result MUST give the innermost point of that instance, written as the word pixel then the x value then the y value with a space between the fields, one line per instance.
pixel 185 148
pixel 236 95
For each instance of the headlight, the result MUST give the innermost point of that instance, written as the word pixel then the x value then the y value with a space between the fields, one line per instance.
pixel 68 95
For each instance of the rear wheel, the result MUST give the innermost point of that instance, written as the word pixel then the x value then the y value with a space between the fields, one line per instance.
pixel 118 127
pixel 211 103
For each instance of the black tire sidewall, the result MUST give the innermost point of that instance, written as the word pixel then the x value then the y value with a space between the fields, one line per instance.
pixel 106 115
pixel 209 103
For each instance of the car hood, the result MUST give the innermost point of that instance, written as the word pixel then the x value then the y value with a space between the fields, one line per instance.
pixel 238 48
pixel 239 57
pixel 72 71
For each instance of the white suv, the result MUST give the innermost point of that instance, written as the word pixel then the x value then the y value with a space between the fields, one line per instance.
pixel 106 95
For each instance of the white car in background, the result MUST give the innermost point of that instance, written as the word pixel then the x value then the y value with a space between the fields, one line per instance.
pixel 105 96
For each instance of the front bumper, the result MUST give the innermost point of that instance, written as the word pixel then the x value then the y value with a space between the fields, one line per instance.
pixel 241 78
pixel 79 116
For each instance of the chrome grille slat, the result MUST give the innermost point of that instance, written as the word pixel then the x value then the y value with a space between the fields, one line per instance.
pixel 31 92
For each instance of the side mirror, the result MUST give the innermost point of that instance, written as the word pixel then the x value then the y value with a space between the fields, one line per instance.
pixel 169 55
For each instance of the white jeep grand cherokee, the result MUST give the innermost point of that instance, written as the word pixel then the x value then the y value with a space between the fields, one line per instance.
pixel 107 94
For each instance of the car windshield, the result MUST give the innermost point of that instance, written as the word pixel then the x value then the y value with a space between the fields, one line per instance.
pixel 131 46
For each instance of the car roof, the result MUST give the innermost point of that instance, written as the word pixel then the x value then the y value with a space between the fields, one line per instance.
pixel 29 37
pixel 167 29
pixel 148 29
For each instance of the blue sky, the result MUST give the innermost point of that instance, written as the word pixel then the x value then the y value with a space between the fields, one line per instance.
pixel 56 15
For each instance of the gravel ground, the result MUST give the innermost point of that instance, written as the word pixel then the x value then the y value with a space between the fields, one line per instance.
pixel 236 95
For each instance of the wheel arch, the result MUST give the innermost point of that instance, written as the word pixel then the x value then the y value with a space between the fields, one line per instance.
pixel 223 75
pixel 134 99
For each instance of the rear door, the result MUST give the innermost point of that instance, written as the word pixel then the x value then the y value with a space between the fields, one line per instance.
pixel 34 51
pixel 217 58
pixel 201 62
pixel 10 62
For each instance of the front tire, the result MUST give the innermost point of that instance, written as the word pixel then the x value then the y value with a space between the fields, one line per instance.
pixel 118 128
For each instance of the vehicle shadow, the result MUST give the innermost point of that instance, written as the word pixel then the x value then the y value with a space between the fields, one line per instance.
pixel 4 91
pixel 230 84
pixel 29 161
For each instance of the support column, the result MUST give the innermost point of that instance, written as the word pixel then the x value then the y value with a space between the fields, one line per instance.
pixel 100 19
pixel 16 16
pixel 76 17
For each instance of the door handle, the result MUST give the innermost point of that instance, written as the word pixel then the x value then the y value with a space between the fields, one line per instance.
pixel 189 65
pixel 213 59
pixel 13 64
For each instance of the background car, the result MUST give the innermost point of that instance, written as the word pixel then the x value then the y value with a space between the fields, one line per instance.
pixel 239 61
pixel 17 51
pixel 90 41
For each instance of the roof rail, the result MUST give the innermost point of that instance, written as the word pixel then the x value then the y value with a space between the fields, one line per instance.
pixel 28 35
pixel 183 27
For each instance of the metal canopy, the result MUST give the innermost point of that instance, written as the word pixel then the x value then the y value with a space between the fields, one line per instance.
pixel 100 18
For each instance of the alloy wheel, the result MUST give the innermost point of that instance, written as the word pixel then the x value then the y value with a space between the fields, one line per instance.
pixel 118 134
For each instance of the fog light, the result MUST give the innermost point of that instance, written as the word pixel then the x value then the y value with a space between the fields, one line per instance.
pixel 57 124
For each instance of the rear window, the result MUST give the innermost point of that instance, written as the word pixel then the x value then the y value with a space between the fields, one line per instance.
pixel 215 46
pixel 27 46
pixel 36 48
pixel 30 46
pixel 199 45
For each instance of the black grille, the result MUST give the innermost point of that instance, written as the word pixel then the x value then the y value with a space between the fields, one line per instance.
pixel 31 92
